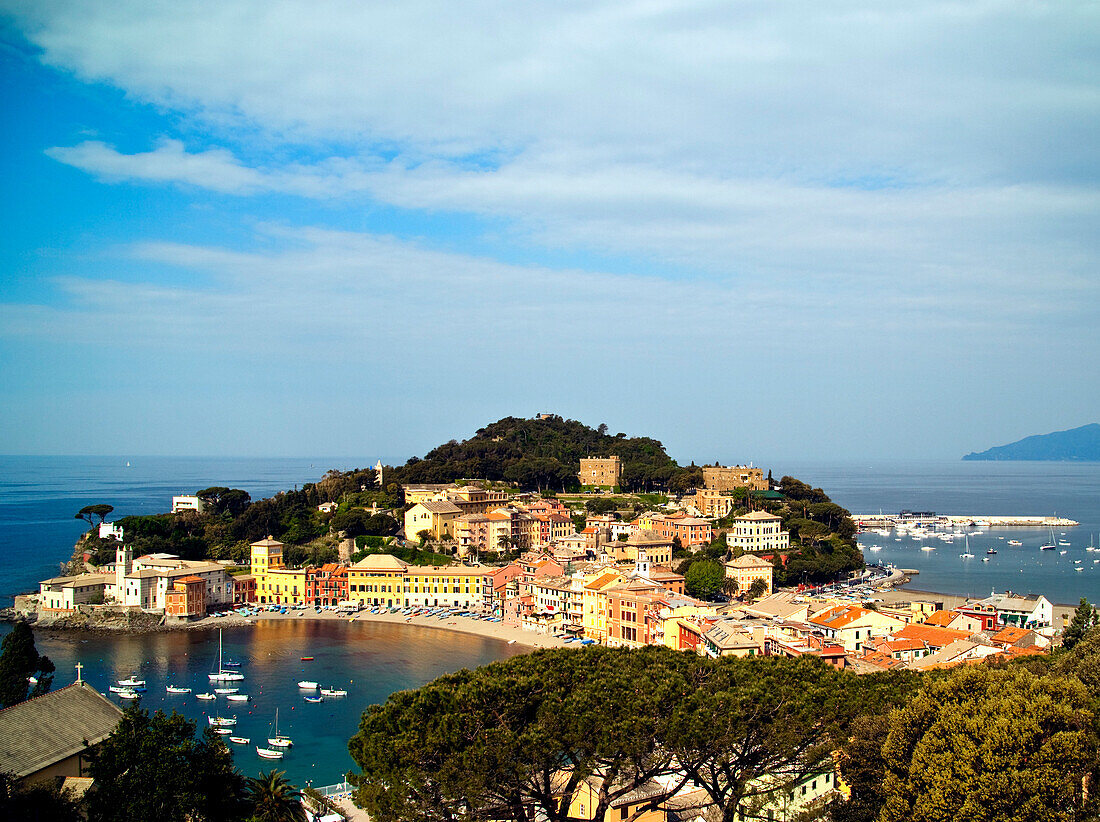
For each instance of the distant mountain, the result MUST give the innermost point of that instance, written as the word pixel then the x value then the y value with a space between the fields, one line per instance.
pixel 1077 445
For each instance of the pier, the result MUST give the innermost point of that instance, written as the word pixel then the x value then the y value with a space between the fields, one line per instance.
pixel 932 520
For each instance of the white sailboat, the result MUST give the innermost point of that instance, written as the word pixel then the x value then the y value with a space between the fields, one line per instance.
pixel 278 740
pixel 220 674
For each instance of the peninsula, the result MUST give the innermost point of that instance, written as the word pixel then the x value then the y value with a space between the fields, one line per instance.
pixel 1080 444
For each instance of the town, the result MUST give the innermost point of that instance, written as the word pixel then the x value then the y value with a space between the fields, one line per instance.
pixel 609 579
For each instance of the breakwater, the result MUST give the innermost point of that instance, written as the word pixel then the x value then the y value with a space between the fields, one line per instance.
pixel 958 520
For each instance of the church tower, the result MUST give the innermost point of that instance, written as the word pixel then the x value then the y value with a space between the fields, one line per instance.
pixel 124 561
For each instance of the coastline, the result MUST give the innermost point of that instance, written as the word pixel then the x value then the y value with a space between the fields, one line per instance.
pixel 950 601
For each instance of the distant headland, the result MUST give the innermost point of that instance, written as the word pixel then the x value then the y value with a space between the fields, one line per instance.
pixel 1075 445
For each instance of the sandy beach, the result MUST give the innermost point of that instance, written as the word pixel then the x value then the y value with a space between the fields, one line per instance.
pixel 508 631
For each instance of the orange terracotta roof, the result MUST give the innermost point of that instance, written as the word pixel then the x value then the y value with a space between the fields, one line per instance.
pixel 936 637
pixel 840 616
pixel 881 660
pixel 1010 635
pixel 941 619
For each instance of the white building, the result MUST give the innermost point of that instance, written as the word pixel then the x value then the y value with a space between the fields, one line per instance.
pixel 186 502
pixel 110 530
pixel 758 532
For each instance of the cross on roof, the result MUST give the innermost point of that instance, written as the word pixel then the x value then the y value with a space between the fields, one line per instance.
pixel 79 666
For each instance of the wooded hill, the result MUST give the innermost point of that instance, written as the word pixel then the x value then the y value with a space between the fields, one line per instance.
pixel 538 454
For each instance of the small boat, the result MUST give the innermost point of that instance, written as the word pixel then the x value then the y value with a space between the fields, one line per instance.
pixel 991 551
pixel 1063 542
pixel 223 731
pixel 224 691
pixel 985 559
pixel 267 753
pixel 333 692
pixel 220 674
pixel 128 693
pixel 205 696
pixel 221 721
pixel 117 689
pixel 232 665
pixel 1050 546
pixel 1079 568
pixel 967 555
pixel 306 659
pixel 238 697
pixel 305 684
pixel 1014 542
pixel 174 689
pixel 132 683
pixel 239 740
pixel 278 740
pixel 314 699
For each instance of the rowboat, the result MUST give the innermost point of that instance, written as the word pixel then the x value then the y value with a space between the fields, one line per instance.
pixel 173 689
pixel 313 699
pixel 267 753
pixel 240 740
pixel 205 696
pixel 307 685
pixel 238 697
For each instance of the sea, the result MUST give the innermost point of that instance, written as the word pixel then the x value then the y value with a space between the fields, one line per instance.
pixel 39 497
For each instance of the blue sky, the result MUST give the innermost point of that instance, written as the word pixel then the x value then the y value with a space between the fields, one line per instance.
pixel 755 231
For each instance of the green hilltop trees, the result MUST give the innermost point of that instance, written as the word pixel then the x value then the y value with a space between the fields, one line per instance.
pixel 20 660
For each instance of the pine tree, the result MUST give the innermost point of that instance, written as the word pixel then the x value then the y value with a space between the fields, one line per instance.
pixel 19 660
pixel 1084 618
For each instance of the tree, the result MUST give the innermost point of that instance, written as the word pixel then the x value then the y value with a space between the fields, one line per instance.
pixel 992 744
pixel 152 767
pixel 729 587
pixel 19 661
pixel 273 798
pixel 758 588
pixel 704 579
pixel 36 802
pixel 89 513
pixel 1084 619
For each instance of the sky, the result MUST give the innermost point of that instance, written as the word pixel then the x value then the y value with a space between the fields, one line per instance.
pixel 755 231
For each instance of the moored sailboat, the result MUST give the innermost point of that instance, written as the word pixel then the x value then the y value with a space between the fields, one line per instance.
pixel 221 673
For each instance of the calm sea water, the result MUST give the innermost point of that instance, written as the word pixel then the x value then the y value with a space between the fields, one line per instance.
pixel 979 488
pixel 369 660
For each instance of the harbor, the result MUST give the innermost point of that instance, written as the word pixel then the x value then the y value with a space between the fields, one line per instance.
pixel 930 519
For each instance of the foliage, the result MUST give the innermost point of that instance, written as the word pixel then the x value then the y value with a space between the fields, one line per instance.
pixel 358 522
pixel 219 500
pixel 273 798
pixel 602 505
pixel 704 579
pixel 1083 662
pixel 516 738
pixel 20 660
pixel 992 744
pixel 1085 618
pixel 758 588
pixel 89 513
pixel 153 767
pixel 36 802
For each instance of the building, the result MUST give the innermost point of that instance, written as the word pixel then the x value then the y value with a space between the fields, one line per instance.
pixel 1031 611
pixel 603 473
pixel 728 638
pixel 187 598
pixel 187 503
pixel 383 580
pixel 711 502
pixel 724 478
pixel 244 589
pixel 434 516
pixel 594 602
pixel 691 531
pixel 657 548
pixel 747 569
pixel 110 530
pixel 758 532
pixel 327 585
pixel 46 738
pixel 852 626
pixel 65 593
pixel 275 583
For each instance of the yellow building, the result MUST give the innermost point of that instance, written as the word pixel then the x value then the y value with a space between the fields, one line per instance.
pixel 386 581
pixel 594 603
pixel 435 517
pixel 746 569
pixel 630 806
pixel 274 581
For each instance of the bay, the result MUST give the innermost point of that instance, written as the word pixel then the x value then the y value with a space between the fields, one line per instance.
pixel 370 660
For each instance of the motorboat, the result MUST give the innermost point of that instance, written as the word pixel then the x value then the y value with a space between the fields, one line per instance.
pixel 333 692
pixel 991 551
pixel 223 731
pixel 220 673
pixel 1014 542
pixel 128 693
pixel 267 753
pixel 222 721
pixel 117 689
pixel 174 689
pixel 224 691
pixel 238 697
pixel 314 699
pixel 205 696
pixel 239 740
pixel 306 685
pixel 132 683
